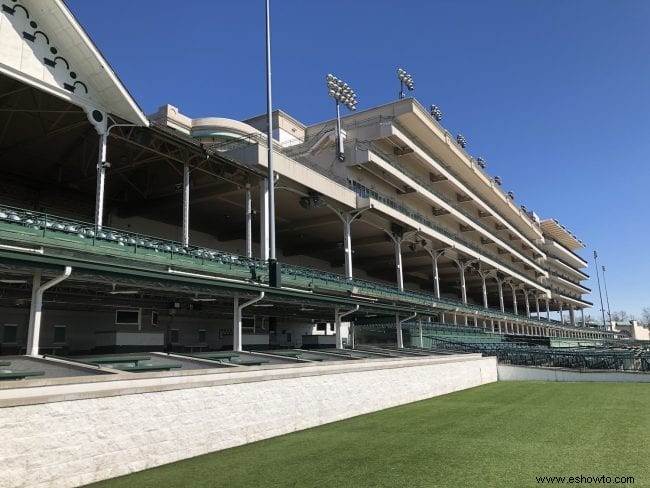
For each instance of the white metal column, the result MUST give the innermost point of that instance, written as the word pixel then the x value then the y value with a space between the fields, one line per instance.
pixel 249 223
pixel 398 262
pixel 347 244
pixel 264 220
pixel 186 205
pixel 101 177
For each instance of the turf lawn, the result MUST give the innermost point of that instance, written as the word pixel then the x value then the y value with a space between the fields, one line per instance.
pixel 500 435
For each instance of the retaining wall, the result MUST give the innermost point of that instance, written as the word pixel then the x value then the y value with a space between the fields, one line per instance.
pixel 524 373
pixel 70 434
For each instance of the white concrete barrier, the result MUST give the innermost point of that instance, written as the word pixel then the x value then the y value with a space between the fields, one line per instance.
pixel 63 435
pixel 526 373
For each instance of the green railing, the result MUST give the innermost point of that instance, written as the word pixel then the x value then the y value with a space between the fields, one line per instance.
pixel 45 229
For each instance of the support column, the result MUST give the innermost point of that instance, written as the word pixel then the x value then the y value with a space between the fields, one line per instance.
pixel 237 324
pixel 572 315
pixel 400 337
pixel 436 277
pixel 514 297
pixel 500 287
pixel 561 313
pixel 186 205
pixel 347 244
pixel 526 302
pixel 484 288
pixel 582 317
pixel 249 223
pixel 461 269
pixel 398 262
pixel 264 220
pixel 548 311
pixel 537 306
pixel 101 177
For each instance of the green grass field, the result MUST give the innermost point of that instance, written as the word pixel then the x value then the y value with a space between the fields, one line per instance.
pixel 500 435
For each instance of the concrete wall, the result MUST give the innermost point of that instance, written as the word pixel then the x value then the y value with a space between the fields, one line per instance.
pixel 71 434
pixel 523 373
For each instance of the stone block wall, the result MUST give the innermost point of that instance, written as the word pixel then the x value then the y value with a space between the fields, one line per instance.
pixel 75 434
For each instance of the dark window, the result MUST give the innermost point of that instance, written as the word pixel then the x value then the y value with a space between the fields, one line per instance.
pixel 321 327
pixel 127 317
pixel 59 333
pixel 174 336
pixel 10 333
pixel 201 335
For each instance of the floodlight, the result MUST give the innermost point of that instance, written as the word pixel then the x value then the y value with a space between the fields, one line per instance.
pixel 462 142
pixel 305 202
pixel 436 113
pixel 342 94
pixel 497 180
pixel 481 162
pixel 404 79
pixel 511 195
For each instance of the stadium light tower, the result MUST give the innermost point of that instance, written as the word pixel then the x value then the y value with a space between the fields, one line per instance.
pixel 602 307
pixel 404 79
pixel 609 312
pixel 342 94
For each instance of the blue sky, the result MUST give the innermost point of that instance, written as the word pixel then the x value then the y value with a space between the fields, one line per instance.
pixel 554 95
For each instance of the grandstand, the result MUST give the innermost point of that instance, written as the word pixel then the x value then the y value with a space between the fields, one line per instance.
pixel 134 259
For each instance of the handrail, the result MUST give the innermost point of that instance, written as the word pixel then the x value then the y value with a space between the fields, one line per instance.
pixel 395 164
pixel 45 223
pixel 365 192
pixel 546 238
pixel 456 175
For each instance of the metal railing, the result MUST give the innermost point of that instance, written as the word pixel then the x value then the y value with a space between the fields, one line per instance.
pixel 85 236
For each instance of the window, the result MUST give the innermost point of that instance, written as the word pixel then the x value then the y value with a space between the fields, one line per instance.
pixel 248 324
pixel 174 336
pixel 321 327
pixel 127 317
pixel 10 333
pixel 201 335
pixel 59 333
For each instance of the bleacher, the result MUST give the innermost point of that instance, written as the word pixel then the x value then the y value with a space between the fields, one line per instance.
pixel 22 227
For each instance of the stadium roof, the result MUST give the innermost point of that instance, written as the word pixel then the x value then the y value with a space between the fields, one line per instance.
pixel 44 46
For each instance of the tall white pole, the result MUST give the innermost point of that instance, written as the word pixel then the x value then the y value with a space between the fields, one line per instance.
pixel 186 205
pixel 269 115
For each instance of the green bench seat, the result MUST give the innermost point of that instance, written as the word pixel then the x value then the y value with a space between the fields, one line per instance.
pixel 250 362
pixel 149 367
pixel 113 359
pixel 5 363
pixel 217 356
pixel 19 375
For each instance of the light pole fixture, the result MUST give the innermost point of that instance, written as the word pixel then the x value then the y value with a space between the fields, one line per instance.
pixel 274 266
pixel 462 142
pixel 404 79
pixel 481 162
pixel 435 112
pixel 609 312
pixel 342 94
pixel 602 307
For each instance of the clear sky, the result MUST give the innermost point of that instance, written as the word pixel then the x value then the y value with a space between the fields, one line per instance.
pixel 553 94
